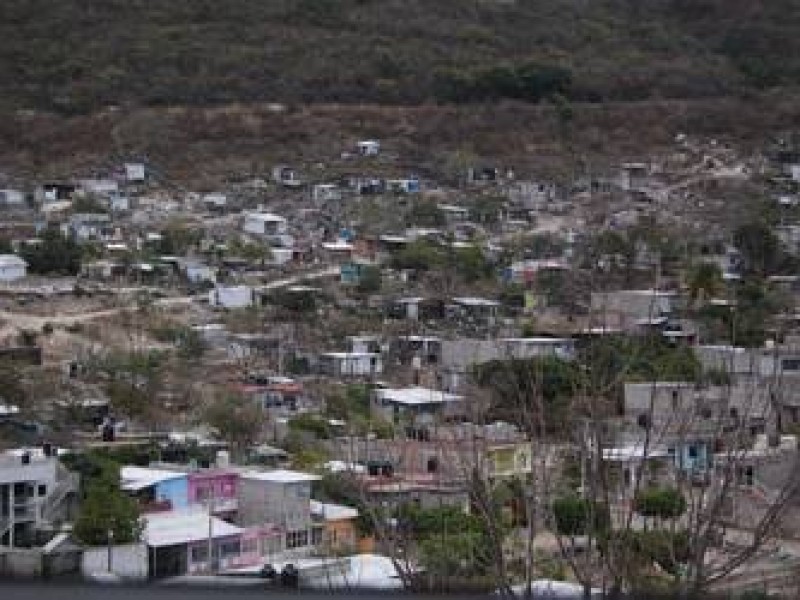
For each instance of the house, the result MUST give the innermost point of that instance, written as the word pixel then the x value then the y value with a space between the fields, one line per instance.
pixel 156 490
pixel 286 176
pixel 281 498
pixel 178 542
pixel 458 357
pixel 266 224
pixel 49 193
pixel 198 272
pixel 532 195
pixel 403 186
pixel 350 364
pixel 12 267
pixel 634 176
pixel 98 187
pixel 85 227
pixel 239 296
pixel 12 198
pixel 416 308
pixel 632 309
pixel 339 534
pixel 480 311
pixel 415 404
pixel 326 192
pixel 119 202
pixel 427 350
pixel 37 494
pixel 215 201
pixel 453 214
pixel 368 148
pixel 483 175
pixel 134 172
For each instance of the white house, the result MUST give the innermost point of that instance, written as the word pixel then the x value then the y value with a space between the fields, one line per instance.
pixel 134 172
pixel 12 267
pixel 419 404
pixel 197 272
pixel 215 201
pixel 350 364
pixel 9 197
pixel 326 192
pixel 99 187
pixel 263 223
pixel 240 296
pixel 369 147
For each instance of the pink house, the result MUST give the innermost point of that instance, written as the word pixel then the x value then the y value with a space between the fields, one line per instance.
pixel 217 486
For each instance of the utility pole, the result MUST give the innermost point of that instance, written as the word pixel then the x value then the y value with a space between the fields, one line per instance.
pixel 210 547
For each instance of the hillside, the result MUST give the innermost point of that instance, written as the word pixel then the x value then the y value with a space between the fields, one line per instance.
pixel 75 56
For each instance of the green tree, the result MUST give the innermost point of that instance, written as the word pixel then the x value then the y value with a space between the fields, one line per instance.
pixel 576 516
pixel 419 255
pixel 370 280
pixel 53 254
pixel 238 421
pixel 660 502
pixel 516 387
pixel 705 281
pixel 760 247
pixel 105 507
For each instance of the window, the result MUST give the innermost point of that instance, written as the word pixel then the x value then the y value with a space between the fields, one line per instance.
pixel 296 539
pixel 316 536
pixel 42 489
pixel 791 364
pixel 693 453
pixel 229 549
pixel 433 465
pixel 199 553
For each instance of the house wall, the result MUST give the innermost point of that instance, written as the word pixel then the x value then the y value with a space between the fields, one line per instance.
pixel 220 486
pixel 12 273
pixel 174 490
pixel 127 560
pixel 340 535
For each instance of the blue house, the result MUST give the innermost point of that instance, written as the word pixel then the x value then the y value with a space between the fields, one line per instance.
pixel 156 489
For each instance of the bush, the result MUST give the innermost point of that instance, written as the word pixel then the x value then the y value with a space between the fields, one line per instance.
pixel 574 516
pixel 664 503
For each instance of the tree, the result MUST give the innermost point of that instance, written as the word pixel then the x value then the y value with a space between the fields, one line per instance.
pixel 705 282
pixel 370 280
pixel 238 421
pixel 53 254
pixel 660 502
pixel 760 247
pixel 105 508
pixel 575 516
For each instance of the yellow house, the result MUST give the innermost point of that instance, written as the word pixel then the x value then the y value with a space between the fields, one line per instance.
pixel 512 459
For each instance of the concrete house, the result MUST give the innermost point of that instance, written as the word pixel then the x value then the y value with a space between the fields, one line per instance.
pixel 239 296
pixel 266 224
pixel 36 494
pixel 12 198
pixel 286 176
pixel 326 192
pixel 350 364
pixel 86 227
pixel 415 404
pixel 368 147
pixel 12 267
pixel 632 309
pixel 282 498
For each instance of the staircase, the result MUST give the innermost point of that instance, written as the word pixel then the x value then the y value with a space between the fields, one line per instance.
pixel 67 484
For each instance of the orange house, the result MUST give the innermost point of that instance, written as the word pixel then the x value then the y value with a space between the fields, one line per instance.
pixel 340 532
